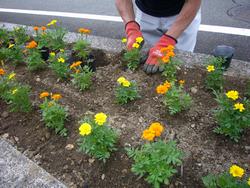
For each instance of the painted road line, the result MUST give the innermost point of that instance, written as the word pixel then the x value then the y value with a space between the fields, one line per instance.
pixel 206 28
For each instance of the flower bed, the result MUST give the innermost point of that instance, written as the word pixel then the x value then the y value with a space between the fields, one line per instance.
pixel 204 151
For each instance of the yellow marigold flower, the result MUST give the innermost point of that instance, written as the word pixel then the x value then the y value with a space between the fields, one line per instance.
pixel 56 97
pixel 236 171
pixel 100 118
pixel 85 129
pixel 53 22
pixel 11 45
pixel 139 40
pixel 210 68
pixel 11 76
pixel 44 28
pixel 239 106
pixel 157 128
pixel 84 30
pixel 248 181
pixel 181 82
pixel 61 50
pixel 77 71
pixel 135 45
pixel 14 91
pixel 44 94
pixel 2 72
pixel 124 40
pixel 165 59
pixel 121 79
pixel 52 54
pixel 126 83
pixel 232 94
pixel 31 45
pixel 35 28
pixel 148 135
pixel 61 60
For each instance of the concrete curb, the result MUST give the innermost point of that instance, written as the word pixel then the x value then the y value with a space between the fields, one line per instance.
pixel 237 69
pixel 16 170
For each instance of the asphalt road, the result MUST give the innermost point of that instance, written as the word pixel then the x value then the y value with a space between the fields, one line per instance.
pixel 230 13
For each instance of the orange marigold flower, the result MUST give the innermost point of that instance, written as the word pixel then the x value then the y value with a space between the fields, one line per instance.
pixel 165 59
pixel 31 45
pixel 44 94
pixel 148 135
pixel 167 84
pixel 2 72
pixel 170 47
pixel 157 128
pixel 76 64
pixel 161 89
pixel 56 97
pixel 171 54
pixel 44 28
pixel 35 28
pixel 84 30
pixel 77 71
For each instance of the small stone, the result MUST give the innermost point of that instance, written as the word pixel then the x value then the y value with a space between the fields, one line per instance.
pixel 38 79
pixel 123 126
pixel 5 135
pixel 91 160
pixel 5 114
pixel 172 135
pixel 47 135
pixel 16 138
pixel 141 119
pixel 65 167
pixel 103 176
pixel 199 164
pixel 124 171
pixel 194 90
pixel 69 147
pixel 193 125
pixel 247 148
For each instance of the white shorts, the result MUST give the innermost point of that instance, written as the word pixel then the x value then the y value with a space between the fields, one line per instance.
pixel 153 28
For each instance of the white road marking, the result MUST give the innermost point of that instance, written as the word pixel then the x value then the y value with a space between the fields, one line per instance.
pixel 206 28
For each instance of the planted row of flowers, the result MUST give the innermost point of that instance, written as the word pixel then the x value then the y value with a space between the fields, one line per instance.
pixel 156 159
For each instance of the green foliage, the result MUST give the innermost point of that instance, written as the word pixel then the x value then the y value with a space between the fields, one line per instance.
pixel 224 180
pixel 100 142
pixel 19 99
pixel 54 116
pixel 214 79
pixel 176 99
pixel 60 68
pixel 157 161
pixel 126 94
pixel 53 39
pixel 82 49
pixel 231 122
pixel 132 57
pixel 15 55
pixel 170 69
pixel 5 86
pixel 4 37
pixel 34 60
pixel 4 54
pixel 83 79
pixel 20 35
pixel 248 89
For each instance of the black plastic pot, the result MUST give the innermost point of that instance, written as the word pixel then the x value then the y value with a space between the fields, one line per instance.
pixel 225 52
pixel 44 53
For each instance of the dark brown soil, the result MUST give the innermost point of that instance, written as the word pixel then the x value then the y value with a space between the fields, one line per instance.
pixel 204 150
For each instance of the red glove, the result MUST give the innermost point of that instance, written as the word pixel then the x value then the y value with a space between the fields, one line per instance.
pixel 151 65
pixel 132 29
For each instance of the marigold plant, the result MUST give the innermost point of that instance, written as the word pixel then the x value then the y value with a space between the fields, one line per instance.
pixel 174 97
pixel 157 159
pixel 133 56
pixel 98 139
pixel 54 115
pixel 232 114
pixel 7 83
pixel 214 78
pixel 168 63
pixel 126 91
pixel 231 179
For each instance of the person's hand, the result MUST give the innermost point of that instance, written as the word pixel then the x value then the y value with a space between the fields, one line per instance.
pixel 132 29
pixel 152 63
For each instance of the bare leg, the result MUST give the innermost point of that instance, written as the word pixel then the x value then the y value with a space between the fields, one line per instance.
pixel 125 8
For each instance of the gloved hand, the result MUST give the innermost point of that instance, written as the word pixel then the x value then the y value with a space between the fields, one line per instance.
pixel 132 29
pixel 152 63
